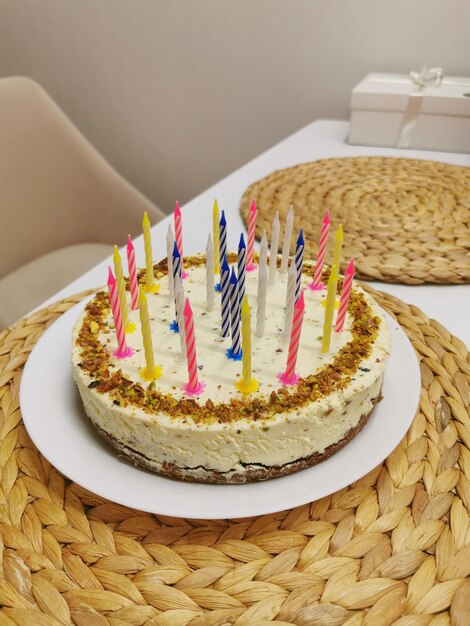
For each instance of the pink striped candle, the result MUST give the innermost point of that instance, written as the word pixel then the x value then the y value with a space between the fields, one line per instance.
pixel 179 236
pixel 132 274
pixel 123 350
pixel 345 294
pixel 193 387
pixel 316 284
pixel 289 377
pixel 250 266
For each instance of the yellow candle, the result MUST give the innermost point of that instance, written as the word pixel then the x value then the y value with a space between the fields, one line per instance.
pixel 128 327
pixel 247 384
pixel 215 237
pixel 150 371
pixel 330 308
pixel 338 246
pixel 150 286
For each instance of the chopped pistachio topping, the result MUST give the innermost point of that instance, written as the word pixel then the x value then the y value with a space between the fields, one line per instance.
pixel 96 361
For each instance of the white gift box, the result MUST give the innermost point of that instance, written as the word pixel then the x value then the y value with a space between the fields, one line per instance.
pixel 424 111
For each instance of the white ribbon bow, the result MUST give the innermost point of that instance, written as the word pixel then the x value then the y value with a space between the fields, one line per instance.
pixel 431 77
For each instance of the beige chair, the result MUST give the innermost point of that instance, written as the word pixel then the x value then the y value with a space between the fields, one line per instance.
pixel 62 206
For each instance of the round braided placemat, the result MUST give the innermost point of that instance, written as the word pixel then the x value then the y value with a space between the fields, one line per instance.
pixel 393 548
pixel 404 220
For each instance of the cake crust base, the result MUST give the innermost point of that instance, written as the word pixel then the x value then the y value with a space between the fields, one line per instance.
pixel 252 473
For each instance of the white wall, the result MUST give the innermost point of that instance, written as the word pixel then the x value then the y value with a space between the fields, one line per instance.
pixel 178 93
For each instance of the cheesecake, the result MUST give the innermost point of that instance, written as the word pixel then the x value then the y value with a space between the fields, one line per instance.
pixel 223 435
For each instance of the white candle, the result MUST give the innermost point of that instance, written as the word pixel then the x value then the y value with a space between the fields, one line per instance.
pixel 287 239
pixel 169 255
pixel 263 250
pixel 276 227
pixel 210 274
pixel 261 301
pixel 179 291
pixel 290 301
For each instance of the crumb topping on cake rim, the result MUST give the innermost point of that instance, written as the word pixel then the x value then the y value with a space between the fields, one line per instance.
pixel 95 361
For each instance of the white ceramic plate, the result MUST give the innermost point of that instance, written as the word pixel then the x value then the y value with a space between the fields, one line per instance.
pixel 56 422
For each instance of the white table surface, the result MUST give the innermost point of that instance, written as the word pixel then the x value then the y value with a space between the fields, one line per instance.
pixel 449 304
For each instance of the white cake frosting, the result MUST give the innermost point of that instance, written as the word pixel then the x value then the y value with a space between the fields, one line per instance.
pixel 201 449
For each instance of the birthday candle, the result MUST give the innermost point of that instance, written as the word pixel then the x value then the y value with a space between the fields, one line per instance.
pixel 289 377
pixel 345 293
pixel 234 315
pixel 287 240
pixel 149 282
pixel 241 267
pixel 290 301
pixel 150 371
pixel 299 259
pixel 133 284
pixel 316 283
pixel 193 387
pixel 225 299
pixel 247 384
pixel 209 274
pixel 176 273
pixel 261 300
pixel 215 233
pixel 338 246
pixel 262 285
pixel 222 239
pixel 123 350
pixel 251 238
pixel 263 251
pixel 274 248
pixel 179 236
pixel 329 309
pixel 170 243
pixel 176 261
pixel 179 296
pixel 121 287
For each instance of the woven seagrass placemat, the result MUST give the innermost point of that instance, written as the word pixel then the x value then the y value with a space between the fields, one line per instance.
pixel 393 548
pixel 404 220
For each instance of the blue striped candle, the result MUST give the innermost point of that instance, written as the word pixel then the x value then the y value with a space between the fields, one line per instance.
pixel 235 352
pixel 241 269
pixel 176 261
pixel 225 300
pixel 222 239
pixel 299 259
pixel 177 271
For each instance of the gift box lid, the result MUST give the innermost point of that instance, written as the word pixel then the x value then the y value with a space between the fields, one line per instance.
pixel 391 92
